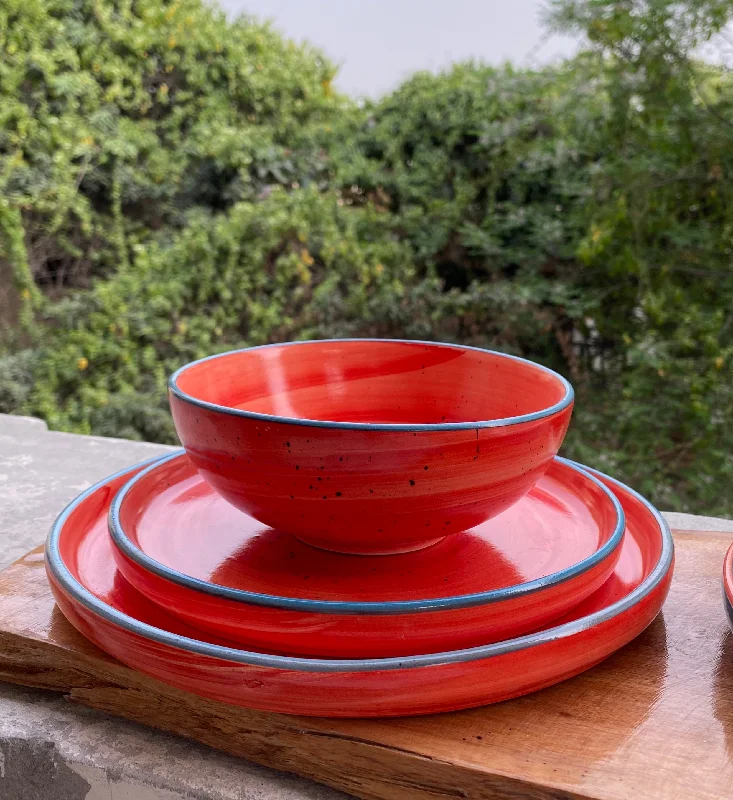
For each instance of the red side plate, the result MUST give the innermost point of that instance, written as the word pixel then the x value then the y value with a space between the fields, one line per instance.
pixel 188 550
pixel 98 601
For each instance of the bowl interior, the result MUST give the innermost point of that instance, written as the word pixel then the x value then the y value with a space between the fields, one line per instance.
pixel 373 381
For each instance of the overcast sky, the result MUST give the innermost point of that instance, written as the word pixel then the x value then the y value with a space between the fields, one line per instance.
pixel 377 43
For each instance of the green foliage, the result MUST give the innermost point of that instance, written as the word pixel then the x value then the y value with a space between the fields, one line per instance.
pixel 173 185
pixel 659 226
pixel 118 117
pixel 483 172
pixel 263 271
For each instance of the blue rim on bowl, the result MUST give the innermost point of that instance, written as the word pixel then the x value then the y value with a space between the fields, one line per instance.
pixel 82 595
pixel 566 400
pixel 132 551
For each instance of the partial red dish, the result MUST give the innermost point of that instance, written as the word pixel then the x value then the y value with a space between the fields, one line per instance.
pixel 188 550
pixel 370 445
pixel 728 586
pixel 98 601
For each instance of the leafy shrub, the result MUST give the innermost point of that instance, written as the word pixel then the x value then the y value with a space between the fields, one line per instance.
pixel 173 185
pixel 118 117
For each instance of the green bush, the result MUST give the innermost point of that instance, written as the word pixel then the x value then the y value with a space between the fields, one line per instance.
pixel 118 117
pixel 173 185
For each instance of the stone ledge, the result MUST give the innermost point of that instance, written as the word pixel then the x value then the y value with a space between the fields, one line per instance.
pixel 52 750
pixel 693 522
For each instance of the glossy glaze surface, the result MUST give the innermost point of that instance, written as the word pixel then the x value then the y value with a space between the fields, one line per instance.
pixel 188 550
pixel 93 596
pixel 370 446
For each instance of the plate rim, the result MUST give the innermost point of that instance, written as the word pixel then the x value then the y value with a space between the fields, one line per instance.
pixel 727 581
pixel 371 607
pixel 79 593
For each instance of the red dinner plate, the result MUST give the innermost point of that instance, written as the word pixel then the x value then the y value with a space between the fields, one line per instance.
pixel 187 549
pixel 105 608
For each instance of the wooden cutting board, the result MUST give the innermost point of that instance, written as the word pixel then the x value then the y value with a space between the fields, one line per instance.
pixel 653 721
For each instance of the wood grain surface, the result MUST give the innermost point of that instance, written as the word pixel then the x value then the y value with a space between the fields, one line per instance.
pixel 653 721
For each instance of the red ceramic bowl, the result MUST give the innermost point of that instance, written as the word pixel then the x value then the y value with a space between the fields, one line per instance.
pixel 366 445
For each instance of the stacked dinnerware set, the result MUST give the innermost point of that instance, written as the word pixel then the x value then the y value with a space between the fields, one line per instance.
pixel 362 528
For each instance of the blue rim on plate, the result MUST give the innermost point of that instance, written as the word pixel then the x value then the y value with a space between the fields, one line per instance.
pixel 725 583
pixel 82 595
pixel 385 426
pixel 132 551
pixel 728 608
